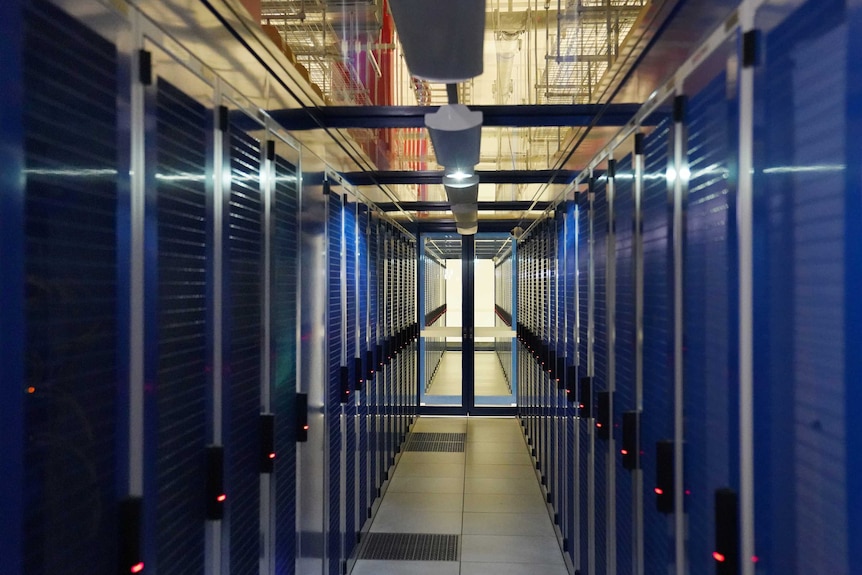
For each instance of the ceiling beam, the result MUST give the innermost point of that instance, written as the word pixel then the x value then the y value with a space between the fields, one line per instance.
pixel 436 177
pixel 502 206
pixel 519 116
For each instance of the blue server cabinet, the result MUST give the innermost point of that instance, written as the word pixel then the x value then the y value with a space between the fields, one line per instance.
pixel 585 404
pixel 349 411
pixel 71 309
pixel 711 393
pixel 570 473
pixel 624 347
pixel 284 318
pixel 362 365
pixel 333 393
pixel 807 279
pixel 243 340
pixel 601 225
pixel 657 418
pixel 181 397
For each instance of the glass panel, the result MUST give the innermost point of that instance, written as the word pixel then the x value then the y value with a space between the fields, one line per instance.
pixel 493 382
pixel 441 337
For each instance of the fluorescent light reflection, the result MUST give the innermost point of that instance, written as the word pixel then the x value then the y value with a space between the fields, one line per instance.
pixel 806 169
pixel 181 177
pixel 71 173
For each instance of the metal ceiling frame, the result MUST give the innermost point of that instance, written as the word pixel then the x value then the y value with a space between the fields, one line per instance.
pixel 516 206
pixel 518 116
pixel 432 177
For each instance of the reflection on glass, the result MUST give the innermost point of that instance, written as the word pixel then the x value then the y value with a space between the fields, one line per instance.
pixel 441 370
pixel 493 384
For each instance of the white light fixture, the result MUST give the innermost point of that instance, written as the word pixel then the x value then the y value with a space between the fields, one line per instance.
pixel 460 180
pixel 442 39
pixel 463 194
pixel 456 133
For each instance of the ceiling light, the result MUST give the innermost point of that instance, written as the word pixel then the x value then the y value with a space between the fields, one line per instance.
pixel 456 133
pixel 460 180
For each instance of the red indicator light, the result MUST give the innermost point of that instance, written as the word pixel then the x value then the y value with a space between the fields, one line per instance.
pixel 598 424
pixel 137 567
pixel 272 455
pixel 624 451
pixel 755 559
pixel 221 498
pixel 718 556
pixel 31 389
pixel 305 427
pixel 688 491
pixel 659 491
pixel 581 406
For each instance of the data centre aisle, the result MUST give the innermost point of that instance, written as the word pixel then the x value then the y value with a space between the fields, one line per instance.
pixel 468 486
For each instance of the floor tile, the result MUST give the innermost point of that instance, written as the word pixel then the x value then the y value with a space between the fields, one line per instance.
pixel 516 446
pixel 416 469
pixel 392 519
pixel 431 457
pixel 504 503
pixel 501 485
pixel 406 484
pixel 523 471
pixel 440 425
pixel 511 549
pixel 366 567
pixel 530 524
pixel 498 458
pixel 423 501
pixel 511 569
pixel 489 494
pixel 492 435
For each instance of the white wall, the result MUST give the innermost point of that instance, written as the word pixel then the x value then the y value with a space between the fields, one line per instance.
pixel 483 294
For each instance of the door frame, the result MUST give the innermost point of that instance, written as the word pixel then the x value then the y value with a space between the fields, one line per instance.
pixel 468 339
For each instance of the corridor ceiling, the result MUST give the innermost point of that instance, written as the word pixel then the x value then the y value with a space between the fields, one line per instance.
pixel 559 78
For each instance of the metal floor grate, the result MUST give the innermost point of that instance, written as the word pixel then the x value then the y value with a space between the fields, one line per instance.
pixel 438 442
pixel 410 547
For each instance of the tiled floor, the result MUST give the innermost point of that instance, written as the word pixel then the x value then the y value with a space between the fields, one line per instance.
pixel 489 495
pixel 489 379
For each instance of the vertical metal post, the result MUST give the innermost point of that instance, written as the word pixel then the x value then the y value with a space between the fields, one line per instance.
pixel 576 464
pixel 12 284
pixel 679 189
pixel 638 257
pixel 138 257
pixel 513 300
pixel 468 253
pixel 267 485
pixel 611 316
pixel 221 195
pixel 745 235
pixel 591 372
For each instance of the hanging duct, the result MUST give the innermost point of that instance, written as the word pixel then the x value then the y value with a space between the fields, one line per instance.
pixel 442 39
pixel 456 133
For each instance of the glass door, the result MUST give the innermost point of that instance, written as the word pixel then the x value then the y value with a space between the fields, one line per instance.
pixel 466 343
pixel 494 382
pixel 441 365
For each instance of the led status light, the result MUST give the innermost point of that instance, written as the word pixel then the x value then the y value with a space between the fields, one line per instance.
pixel 718 556
pixel 137 567
pixel 221 498
pixel 659 491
